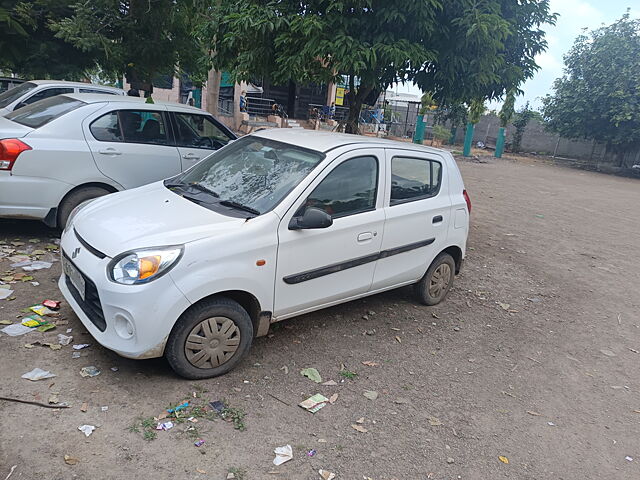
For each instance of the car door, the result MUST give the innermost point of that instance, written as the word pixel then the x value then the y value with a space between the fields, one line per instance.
pixel 198 135
pixel 42 94
pixel 417 210
pixel 324 266
pixel 133 146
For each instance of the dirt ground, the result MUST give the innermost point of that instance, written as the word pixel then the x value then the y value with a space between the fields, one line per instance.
pixel 534 357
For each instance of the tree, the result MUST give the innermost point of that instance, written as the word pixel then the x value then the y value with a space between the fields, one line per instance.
pixel 139 38
pixel 28 46
pixel 505 115
pixel 523 117
pixel 598 97
pixel 456 49
pixel 476 110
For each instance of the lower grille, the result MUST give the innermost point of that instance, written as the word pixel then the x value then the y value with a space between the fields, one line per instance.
pixel 91 305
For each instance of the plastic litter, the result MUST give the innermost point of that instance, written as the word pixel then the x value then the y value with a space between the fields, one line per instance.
pixel 178 408
pixel 104 409
pixel 89 371
pixel 46 327
pixel 326 475
pixel 504 460
pixel 165 426
pixel 38 374
pixel 42 310
pixel 64 339
pixel 33 321
pixel 283 454
pixel 628 459
pixel 218 406
pixel 314 403
pixel 80 346
pixel 16 329
pixel 199 442
pixel 75 354
pixel 51 304
pixel 312 452
pixel 86 429
pixel 36 265
pixel 5 293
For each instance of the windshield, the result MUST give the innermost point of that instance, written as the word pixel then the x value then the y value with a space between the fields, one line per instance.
pixel 42 112
pixel 15 93
pixel 253 172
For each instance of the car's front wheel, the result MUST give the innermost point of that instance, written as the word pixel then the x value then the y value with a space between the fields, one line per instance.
pixel 209 339
pixel 436 283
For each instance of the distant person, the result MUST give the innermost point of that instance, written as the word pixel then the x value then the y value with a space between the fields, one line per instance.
pixel 332 110
pixel 190 102
pixel 133 92
pixel 243 101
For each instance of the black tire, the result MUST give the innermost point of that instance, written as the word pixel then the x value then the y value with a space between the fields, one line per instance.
pixel 74 199
pixel 436 283
pixel 193 323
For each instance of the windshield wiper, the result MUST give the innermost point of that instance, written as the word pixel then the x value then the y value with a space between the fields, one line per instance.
pixel 202 188
pixel 239 206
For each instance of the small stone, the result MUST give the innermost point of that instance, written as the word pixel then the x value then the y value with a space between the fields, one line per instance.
pixel 231 476
pixel 456 329
pixel 370 332
pixel 450 460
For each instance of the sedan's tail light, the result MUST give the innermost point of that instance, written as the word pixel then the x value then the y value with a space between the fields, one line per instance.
pixel 467 199
pixel 10 148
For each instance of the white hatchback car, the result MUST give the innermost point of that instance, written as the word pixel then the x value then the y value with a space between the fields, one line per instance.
pixel 274 225
pixel 65 150
pixel 30 92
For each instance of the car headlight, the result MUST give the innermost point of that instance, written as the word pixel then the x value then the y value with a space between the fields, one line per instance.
pixel 144 265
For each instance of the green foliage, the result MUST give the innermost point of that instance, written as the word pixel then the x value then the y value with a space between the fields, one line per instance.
pixel 598 96
pixel 508 109
pixel 457 115
pixel 28 46
pixel 522 119
pixel 426 102
pixel 348 374
pixel 236 415
pixel 140 37
pixel 458 49
pixel 476 110
pixel 441 133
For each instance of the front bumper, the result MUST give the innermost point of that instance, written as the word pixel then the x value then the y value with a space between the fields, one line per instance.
pixel 132 320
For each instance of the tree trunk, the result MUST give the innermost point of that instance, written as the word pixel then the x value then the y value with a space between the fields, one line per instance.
pixel 213 91
pixel 356 98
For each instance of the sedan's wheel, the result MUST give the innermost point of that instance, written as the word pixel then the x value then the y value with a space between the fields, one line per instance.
pixel 209 339
pixel 436 283
pixel 76 198
pixel 212 342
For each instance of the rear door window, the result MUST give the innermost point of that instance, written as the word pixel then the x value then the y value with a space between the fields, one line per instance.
pixel 13 94
pixel 47 93
pixel 132 126
pixel 39 114
pixel 414 179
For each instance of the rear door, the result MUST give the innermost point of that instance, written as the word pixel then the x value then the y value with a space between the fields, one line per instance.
pixel 133 146
pixel 198 135
pixel 417 210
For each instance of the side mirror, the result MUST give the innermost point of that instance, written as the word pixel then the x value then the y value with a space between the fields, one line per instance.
pixel 312 218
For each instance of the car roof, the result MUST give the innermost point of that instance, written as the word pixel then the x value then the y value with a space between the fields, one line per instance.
pixel 326 141
pixel 100 97
pixel 73 84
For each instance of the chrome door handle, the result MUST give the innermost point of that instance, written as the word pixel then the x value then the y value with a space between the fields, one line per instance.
pixel 190 156
pixel 363 237
pixel 109 151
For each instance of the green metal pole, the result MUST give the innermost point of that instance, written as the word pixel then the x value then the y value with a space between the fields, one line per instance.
pixel 454 133
pixel 500 143
pixel 468 140
pixel 418 135
pixel 197 97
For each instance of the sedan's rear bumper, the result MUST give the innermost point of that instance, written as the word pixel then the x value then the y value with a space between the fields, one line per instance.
pixel 29 197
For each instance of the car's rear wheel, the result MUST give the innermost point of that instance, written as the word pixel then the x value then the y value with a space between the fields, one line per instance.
pixel 436 283
pixel 77 198
pixel 209 339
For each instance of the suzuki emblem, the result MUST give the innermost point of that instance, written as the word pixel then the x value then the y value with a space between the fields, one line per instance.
pixel 75 252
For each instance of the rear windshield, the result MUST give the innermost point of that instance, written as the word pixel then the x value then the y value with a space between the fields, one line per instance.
pixel 15 93
pixel 40 113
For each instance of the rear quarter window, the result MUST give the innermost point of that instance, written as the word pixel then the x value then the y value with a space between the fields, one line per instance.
pixel 40 113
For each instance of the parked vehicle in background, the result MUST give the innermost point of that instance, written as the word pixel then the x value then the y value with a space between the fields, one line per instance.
pixel 30 92
pixel 275 225
pixel 67 149
pixel 7 83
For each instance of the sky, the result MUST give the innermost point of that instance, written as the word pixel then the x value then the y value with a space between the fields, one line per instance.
pixel 574 16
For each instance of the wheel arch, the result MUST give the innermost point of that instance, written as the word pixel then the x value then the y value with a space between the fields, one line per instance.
pixel 456 252
pixel 51 220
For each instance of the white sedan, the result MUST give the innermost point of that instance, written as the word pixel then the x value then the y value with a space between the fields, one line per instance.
pixel 60 152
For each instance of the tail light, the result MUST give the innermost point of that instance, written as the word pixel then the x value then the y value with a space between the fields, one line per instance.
pixel 10 148
pixel 467 199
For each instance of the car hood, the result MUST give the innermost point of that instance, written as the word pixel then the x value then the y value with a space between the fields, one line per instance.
pixel 149 216
pixel 10 129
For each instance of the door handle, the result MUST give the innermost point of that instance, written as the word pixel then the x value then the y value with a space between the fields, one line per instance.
pixel 109 151
pixel 437 219
pixel 363 237
pixel 191 156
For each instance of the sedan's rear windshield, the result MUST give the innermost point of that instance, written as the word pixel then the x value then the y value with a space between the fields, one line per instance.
pixel 42 112
pixel 15 93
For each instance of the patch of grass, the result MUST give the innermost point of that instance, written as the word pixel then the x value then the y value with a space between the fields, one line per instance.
pixel 134 428
pixel 145 425
pixel 237 417
pixel 348 374
pixel 238 472
pixel 149 435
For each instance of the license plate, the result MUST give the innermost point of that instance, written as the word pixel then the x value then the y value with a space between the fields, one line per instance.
pixel 74 275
